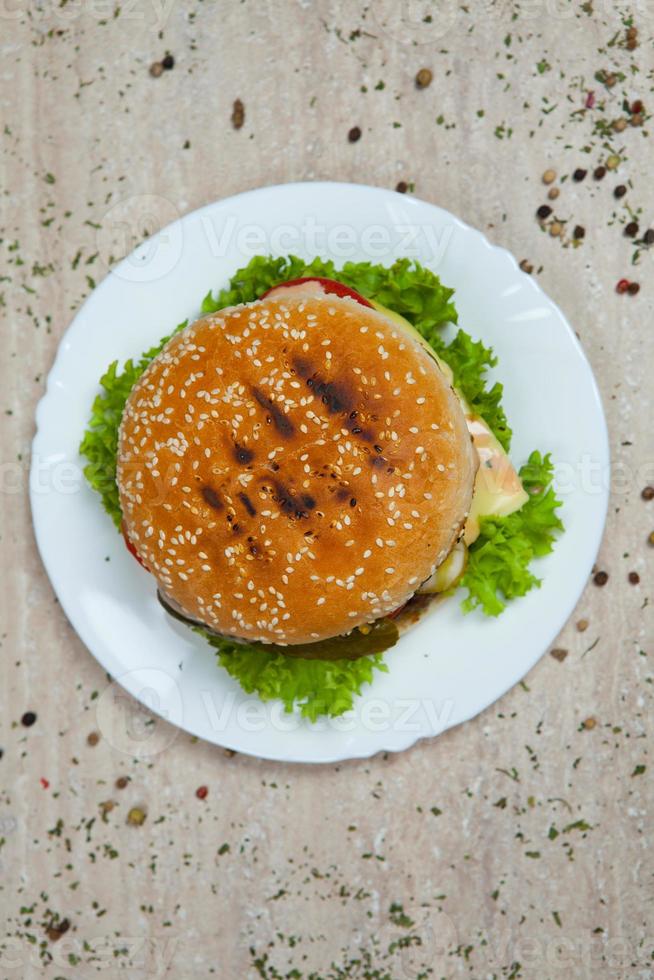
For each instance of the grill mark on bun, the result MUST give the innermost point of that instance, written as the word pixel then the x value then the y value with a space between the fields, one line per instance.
pixel 235 527
pixel 354 424
pixel 247 503
pixel 211 497
pixel 254 548
pixel 274 414
pixel 335 395
pixel 379 461
pixel 243 454
pixel 285 497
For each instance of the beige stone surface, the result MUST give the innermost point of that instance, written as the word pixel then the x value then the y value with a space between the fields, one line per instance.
pixel 520 843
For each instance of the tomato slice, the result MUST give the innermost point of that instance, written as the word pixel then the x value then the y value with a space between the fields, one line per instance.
pixel 396 612
pixel 329 286
pixel 130 547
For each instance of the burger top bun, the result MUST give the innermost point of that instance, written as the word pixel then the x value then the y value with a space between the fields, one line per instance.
pixel 292 468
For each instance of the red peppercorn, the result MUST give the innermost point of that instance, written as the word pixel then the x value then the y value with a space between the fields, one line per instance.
pixel 623 286
pixel 636 106
pixel 201 792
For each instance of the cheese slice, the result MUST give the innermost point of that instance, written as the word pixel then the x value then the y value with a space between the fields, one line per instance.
pixel 498 490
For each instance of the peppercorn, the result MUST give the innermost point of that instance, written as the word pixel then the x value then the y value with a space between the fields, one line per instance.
pixel 354 134
pixel 28 719
pixel 633 288
pixel 650 538
pixel 56 930
pixel 156 69
pixel 648 493
pixel 619 125
pixel 601 578
pixel 526 266
pixel 620 191
pixel 402 187
pixel 559 654
pixel 579 231
pixel 610 80
pixel 589 723
pixel 106 807
pixel 634 578
pixel 622 286
pixel 579 174
pixel 424 78
pixel 553 193
pixel 637 120
pixel 582 625
pixel 544 211
pixel 122 782
pixel 168 62
pixel 599 173
pixel 136 816
pixel 238 114
pixel 632 32
pixel 613 162
pixel 648 237
pixel 631 230
pixel 549 176
pixel 632 44
pixel 92 738
pixel 556 229
pixel 201 792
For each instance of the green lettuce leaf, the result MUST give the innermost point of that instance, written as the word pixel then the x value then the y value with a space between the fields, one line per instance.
pixel 498 561
pixel 469 360
pixel 100 442
pixel 315 687
pixel 405 287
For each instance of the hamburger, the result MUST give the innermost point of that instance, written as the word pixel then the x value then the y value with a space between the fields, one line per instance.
pixel 294 469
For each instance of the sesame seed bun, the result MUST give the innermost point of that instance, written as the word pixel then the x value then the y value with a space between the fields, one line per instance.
pixel 292 468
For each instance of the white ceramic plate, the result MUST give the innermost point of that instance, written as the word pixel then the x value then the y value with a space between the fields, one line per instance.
pixel 449 667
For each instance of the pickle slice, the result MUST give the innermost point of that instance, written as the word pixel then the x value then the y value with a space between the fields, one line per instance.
pixel 382 635
pixel 379 637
